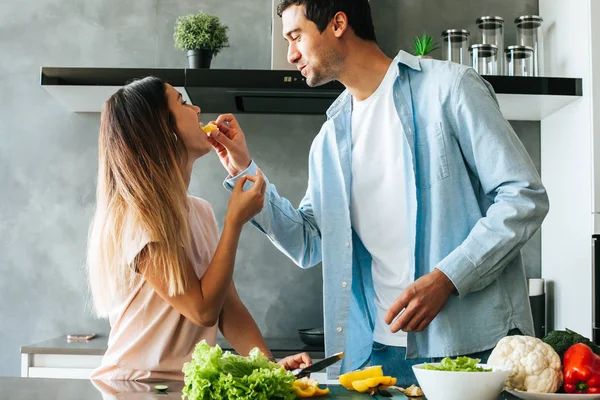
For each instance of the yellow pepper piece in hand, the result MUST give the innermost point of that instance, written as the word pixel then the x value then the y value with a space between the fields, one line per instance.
pixel 208 128
pixel 359 375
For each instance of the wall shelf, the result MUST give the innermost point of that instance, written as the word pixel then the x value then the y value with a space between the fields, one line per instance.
pixel 280 92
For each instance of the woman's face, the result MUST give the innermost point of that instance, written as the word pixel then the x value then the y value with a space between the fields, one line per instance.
pixel 187 118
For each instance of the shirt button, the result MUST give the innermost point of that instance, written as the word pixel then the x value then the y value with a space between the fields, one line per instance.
pixel 402 77
pixel 347 244
pixel 339 329
pixel 344 284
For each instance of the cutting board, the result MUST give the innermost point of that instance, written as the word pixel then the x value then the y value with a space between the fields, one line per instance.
pixel 340 392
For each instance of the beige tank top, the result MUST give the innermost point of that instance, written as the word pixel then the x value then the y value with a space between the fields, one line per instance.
pixel 149 339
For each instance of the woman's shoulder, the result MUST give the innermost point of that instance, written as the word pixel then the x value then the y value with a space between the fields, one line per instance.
pixel 203 221
pixel 200 204
pixel 203 210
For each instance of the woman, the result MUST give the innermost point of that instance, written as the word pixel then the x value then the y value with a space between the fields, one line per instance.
pixel 157 268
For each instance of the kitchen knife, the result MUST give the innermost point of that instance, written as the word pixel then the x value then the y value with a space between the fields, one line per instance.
pixel 318 366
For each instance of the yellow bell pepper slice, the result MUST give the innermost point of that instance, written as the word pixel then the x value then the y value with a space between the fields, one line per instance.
pixel 380 380
pixel 364 385
pixel 361 374
pixel 304 392
pixel 321 392
pixel 361 386
pixel 306 387
pixel 208 128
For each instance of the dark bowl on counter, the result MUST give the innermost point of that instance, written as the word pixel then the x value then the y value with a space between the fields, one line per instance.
pixel 312 336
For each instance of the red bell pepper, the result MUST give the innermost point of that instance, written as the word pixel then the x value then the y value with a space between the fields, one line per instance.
pixel 581 368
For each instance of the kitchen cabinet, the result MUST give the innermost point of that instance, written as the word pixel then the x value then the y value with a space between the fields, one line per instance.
pixel 59 358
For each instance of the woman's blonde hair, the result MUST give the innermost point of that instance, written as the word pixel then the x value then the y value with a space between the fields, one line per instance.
pixel 140 193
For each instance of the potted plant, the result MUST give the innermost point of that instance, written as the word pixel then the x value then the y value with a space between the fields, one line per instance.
pixel 202 35
pixel 424 45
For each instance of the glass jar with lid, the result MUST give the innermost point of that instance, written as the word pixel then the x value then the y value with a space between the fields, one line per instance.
pixel 530 33
pixel 491 31
pixel 484 58
pixel 455 46
pixel 519 61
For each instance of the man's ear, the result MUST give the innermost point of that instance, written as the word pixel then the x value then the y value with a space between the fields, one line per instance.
pixel 339 24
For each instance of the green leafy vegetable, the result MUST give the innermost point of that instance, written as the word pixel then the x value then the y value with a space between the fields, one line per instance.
pixel 214 374
pixel 562 340
pixel 459 364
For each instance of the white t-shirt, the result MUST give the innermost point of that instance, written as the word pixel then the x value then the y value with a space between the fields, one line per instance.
pixel 378 206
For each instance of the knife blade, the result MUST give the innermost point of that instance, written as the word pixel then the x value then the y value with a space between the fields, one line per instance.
pixel 318 366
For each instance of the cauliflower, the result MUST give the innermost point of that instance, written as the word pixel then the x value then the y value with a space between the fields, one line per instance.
pixel 535 365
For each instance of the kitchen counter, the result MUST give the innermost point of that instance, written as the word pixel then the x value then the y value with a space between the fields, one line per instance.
pixel 97 347
pixel 72 389
pixel 59 358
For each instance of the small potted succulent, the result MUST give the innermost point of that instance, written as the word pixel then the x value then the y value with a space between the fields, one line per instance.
pixel 202 35
pixel 423 46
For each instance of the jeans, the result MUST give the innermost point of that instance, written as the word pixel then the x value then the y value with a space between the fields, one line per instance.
pixel 393 361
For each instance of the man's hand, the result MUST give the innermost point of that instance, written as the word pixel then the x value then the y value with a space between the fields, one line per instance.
pixel 230 143
pixel 421 302
pixel 296 361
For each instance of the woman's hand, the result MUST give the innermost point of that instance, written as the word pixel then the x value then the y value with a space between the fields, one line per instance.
pixel 245 204
pixel 296 361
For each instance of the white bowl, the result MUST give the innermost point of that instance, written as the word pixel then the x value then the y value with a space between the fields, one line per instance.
pixel 451 385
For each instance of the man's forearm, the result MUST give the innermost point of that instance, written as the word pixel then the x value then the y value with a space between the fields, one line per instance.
pixel 293 230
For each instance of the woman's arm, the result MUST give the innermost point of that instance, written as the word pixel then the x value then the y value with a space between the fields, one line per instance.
pixel 238 326
pixel 241 331
pixel 203 298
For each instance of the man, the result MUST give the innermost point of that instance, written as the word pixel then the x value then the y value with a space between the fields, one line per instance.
pixel 420 197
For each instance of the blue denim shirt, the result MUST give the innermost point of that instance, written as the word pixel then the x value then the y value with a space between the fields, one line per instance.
pixel 474 198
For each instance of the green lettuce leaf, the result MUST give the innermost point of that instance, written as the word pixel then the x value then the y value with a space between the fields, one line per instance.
pixel 459 364
pixel 214 374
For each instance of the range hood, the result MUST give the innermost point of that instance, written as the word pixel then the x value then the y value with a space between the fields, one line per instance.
pixel 214 90
pixel 258 91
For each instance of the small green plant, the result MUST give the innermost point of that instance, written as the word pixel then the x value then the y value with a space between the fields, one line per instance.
pixel 424 45
pixel 200 32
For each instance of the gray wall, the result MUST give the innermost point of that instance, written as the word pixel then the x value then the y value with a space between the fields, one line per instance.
pixel 48 155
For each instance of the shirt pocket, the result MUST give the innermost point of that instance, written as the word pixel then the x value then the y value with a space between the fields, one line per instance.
pixel 431 158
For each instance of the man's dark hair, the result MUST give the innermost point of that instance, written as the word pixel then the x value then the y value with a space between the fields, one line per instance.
pixel 321 12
